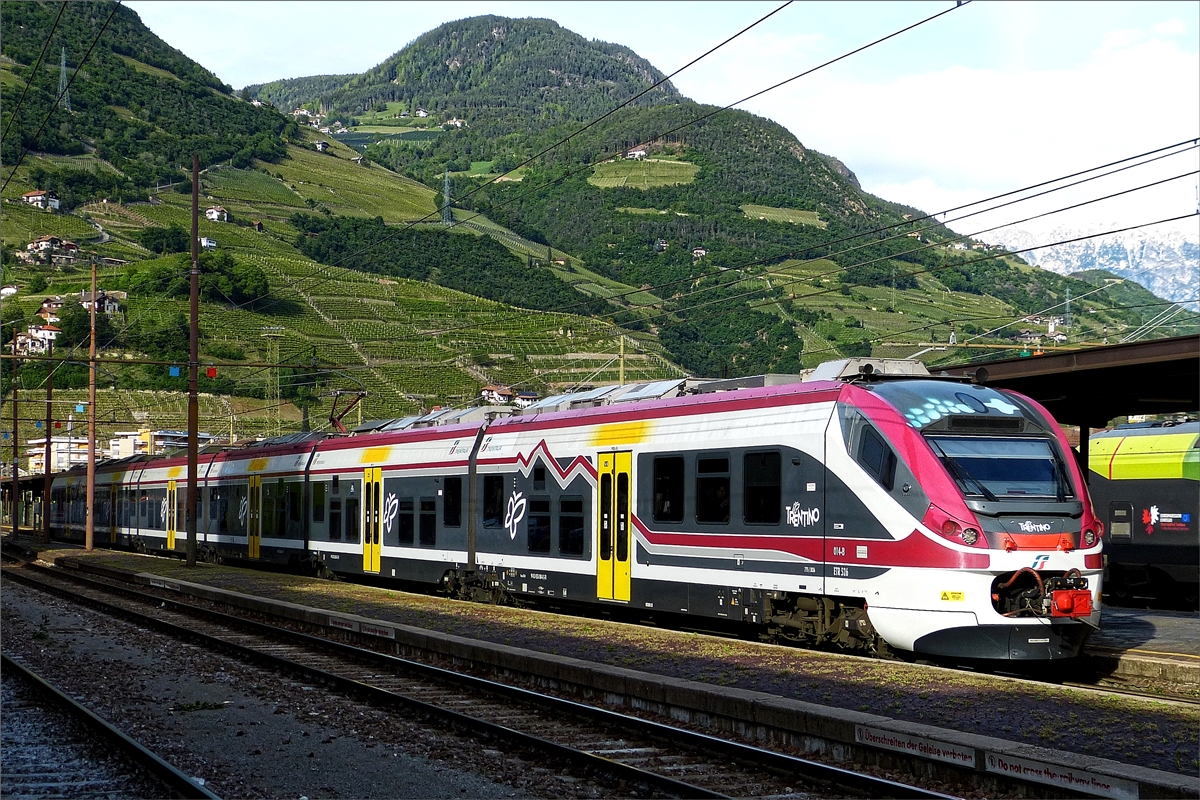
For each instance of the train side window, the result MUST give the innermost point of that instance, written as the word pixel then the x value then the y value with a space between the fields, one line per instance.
pixel 428 522
pixel 452 503
pixel 352 519
pixel 539 477
pixel 877 458
pixel 335 519
pixel 762 484
pixel 538 525
pixel 712 490
pixel 404 521
pixel 295 503
pixel 337 485
pixel 493 501
pixel 318 501
pixel 570 526
pixel 668 489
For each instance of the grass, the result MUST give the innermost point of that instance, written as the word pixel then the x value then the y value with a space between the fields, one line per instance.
pixel 20 224
pixel 771 214
pixel 643 174
pixel 147 69
pixel 331 179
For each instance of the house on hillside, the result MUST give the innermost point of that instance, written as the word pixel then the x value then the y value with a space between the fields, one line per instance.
pixel 43 199
pixel 660 245
pixel 258 226
pixel 50 308
pixel 38 339
pixel 358 160
pixel 44 244
pixel 68 253
pixel 699 252
pixel 1027 336
pixel 422 113
pixel 638 154
pixel 207 243
pixel 525 399
pixel 325 130
pixel 106 303
pixel 256 103
pixel 322 145
pixel 497 395
pixel 456 122
pixel 216 214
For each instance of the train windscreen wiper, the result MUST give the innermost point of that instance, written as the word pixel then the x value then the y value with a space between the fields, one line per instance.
pixel 961 474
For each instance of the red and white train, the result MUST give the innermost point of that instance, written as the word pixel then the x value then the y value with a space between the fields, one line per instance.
pixel 854 508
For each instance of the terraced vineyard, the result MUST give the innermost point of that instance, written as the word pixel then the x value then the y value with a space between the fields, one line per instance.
pixel 644 174
pixel 23 223
pixel 772 214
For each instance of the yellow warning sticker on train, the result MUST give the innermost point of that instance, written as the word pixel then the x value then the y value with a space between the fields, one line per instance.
pixel 955 597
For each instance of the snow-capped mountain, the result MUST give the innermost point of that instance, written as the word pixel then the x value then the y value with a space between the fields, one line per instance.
pixel 1167 262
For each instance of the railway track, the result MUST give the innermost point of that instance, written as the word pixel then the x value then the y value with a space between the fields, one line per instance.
pixel 55 747
pixel 626 751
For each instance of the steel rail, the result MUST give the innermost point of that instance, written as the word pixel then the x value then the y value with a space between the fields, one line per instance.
pixel 827 776
pixel 153 763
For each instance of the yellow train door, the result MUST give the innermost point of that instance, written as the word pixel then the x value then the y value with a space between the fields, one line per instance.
pixel 613 543
pixel 372 519
pixel 171 515
pixel 254 515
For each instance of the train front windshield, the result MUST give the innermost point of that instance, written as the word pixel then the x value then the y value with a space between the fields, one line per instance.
pixel 998 468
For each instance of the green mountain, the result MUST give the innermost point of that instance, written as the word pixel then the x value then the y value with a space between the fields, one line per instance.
pixel 726 211
pixel 508 73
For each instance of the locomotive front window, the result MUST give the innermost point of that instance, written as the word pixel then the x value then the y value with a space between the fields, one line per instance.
pixel 997 468
pixel 877 458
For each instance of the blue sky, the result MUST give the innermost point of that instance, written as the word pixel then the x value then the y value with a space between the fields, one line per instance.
pixel 990 97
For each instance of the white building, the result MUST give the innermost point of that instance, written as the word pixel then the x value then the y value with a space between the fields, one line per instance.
pixel 146 442
pixel 65 452
pixel 47 201
pixel 216 214
pixel 207 243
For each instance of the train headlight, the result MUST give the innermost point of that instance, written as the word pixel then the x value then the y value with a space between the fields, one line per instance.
pixel 1089 537
pixel 970 536
pixel 950 528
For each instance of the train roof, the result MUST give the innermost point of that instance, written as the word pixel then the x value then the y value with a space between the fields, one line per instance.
pixel 1149 429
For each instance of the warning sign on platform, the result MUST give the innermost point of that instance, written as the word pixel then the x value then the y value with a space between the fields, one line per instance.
pixel 1056 775
pixel 915 745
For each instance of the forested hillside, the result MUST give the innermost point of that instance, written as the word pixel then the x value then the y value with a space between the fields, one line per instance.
pixel 138 104
pixel 508 75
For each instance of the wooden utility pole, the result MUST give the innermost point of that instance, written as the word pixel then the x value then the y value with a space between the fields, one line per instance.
pixel 49 434
pixel 193 488
pixel 16 487
pixel 90 525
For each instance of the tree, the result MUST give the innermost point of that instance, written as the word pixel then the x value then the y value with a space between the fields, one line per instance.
pixel 12 317
pixel 75 324
pixel 173 239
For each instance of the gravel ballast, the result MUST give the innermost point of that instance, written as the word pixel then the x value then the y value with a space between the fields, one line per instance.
pixel 1150 733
